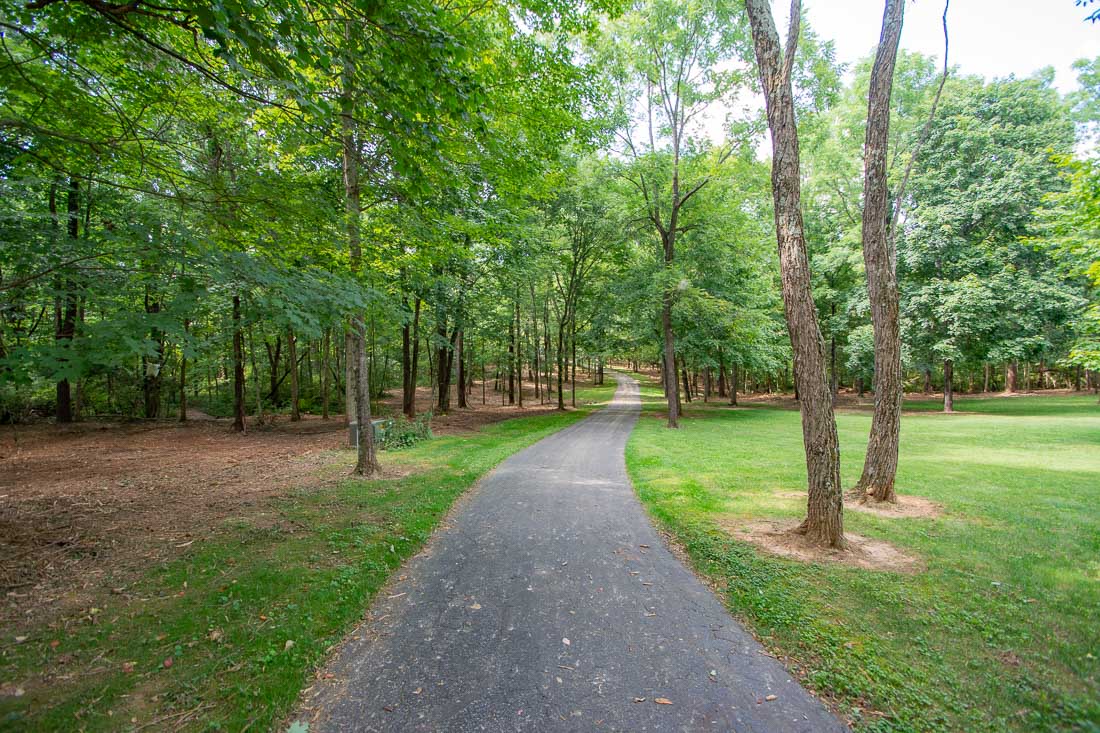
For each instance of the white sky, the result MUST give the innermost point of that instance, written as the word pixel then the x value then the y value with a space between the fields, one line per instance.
pixel 993 39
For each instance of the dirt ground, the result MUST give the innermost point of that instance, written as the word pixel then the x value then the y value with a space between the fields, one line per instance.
pixel 86 509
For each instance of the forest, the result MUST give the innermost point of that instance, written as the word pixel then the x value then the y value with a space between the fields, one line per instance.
pixel 395 213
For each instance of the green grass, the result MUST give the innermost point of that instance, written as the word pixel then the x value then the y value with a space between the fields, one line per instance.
pixel 1001 631
pixel 225 612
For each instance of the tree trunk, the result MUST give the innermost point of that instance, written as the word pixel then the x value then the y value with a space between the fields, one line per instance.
pixel 66 312
pixel 151 379
pixel 722 389
pixel 512 359
pixel 519 350
pixel 326 347
pixel 927 381
pixel 273 360
pixel 238 367
pixel 733 385
pixel 561 363
pixel 879 257
pixel 672 390
pixel 824 523
pixel 687 382
pixel 948 386
pixel 183 371
pixel 460 349
pixel 410 348
pixel 573 370
pixel 292 367
pixel 987 370
pixel 1011 376
pixel 366 461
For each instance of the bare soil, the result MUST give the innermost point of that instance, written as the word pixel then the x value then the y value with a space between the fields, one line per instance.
pixel 86 509
pixel 780 538
pixel 907 507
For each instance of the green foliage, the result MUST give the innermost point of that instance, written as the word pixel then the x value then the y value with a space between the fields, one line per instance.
pixel 405 433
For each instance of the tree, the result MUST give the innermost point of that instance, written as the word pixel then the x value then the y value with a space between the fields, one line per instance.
pixel 824 523
pixel 881 464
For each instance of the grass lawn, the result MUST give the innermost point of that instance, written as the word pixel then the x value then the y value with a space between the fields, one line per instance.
pixel 1001 631
pixel 225 637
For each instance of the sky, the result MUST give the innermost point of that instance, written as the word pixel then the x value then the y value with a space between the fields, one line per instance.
pixel 992 39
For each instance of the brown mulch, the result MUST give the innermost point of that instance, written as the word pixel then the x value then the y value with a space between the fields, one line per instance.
pixel 86 509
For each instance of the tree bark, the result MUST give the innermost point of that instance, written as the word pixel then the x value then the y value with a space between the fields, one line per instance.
pixel 151 379
pixel 879 257
pixel 66 312
pixel 326 348
pixel 824 523
pixel 238 367
pixel 733 385
pixel 292 367
pixel 366 461
pixel 948 386
pixel 183 371
pixel 1011 376
pixel 460 350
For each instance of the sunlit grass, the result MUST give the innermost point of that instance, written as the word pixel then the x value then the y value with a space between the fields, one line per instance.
pixel 1002 629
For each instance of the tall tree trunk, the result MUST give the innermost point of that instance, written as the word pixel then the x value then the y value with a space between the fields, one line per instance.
pixel 1011 376
pixel 948 386
pixel 255 378
pixel 460 348
pixel 722 375
pixel 987 370
pixel 238 367
pixel 535 342
pixel 183 371
pixel 927 381
pixel 573 369
pixel 66 312
pixel 274 358
pixel 326 348
pixel 687 383
pixel 366 461
pixel 672 390
pixel 561 362
pixel 519 349
pixel 151 378
pixel 824 523
pixel 879 258
pixel 292 367
pixel 410 345
pixel 512 359
pixel 733 384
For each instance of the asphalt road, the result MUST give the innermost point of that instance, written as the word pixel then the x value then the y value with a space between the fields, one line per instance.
pixel 549 603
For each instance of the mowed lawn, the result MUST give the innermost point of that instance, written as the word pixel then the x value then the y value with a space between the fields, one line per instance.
pixel 226 637
pixel 1001 631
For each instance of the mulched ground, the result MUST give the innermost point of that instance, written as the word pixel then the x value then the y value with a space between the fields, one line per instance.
pixel 86 509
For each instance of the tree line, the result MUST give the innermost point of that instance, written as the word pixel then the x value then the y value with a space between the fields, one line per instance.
pixel 304 208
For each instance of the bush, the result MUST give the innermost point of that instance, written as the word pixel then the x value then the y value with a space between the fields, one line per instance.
pixel 405 432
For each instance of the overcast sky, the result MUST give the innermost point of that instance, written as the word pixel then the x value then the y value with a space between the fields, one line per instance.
pixel 992 39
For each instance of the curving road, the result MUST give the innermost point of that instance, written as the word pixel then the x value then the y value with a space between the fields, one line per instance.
pixel 550 603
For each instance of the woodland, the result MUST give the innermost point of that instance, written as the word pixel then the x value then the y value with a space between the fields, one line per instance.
pixel 258 215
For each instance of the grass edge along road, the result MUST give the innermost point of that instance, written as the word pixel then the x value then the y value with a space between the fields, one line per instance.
pixel 999 631
pixel 225 637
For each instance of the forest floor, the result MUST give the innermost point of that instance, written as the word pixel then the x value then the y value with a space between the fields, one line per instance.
pixel 104 525
pixel 88 507
pixel 985 619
